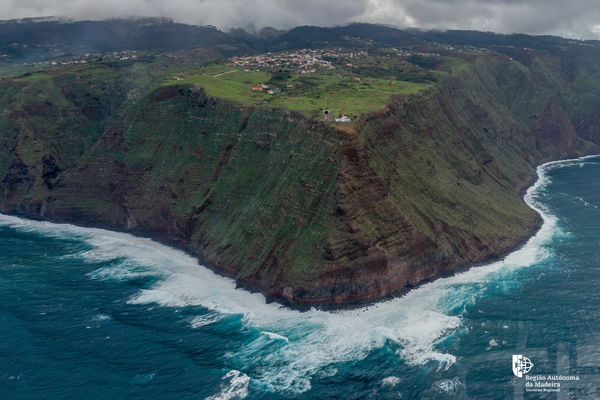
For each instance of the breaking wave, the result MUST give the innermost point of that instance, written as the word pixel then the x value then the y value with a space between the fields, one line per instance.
pixel 234 386
pixel 289 347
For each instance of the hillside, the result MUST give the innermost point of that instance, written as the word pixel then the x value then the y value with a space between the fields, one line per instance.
pixel 309 212
pixel 42 39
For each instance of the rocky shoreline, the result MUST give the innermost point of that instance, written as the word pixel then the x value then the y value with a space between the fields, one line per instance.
pixel 298 303
pixel 307 213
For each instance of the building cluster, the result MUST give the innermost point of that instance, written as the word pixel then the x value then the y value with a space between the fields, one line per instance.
pixel 304 61
pixel 434 50
pixel 124 55
pixel 263 87
pixel 328 117
pixel 445 48
pixel 345 54
pixel 342 118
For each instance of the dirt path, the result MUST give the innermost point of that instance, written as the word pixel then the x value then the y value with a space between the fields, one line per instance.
pixel 224 73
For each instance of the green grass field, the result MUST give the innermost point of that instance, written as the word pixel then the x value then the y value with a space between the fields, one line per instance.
pixel 336 90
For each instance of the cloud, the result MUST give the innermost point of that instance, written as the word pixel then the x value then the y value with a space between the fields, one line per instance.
pixel 580 18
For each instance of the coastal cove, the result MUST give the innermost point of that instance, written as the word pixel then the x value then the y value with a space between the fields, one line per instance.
pixel 545 224
pixel 88 303
pixel 309 212
pixel 275 211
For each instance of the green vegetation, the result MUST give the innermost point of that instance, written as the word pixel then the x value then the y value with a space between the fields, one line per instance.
pixel 358 87
pixel 305 211
pixel 219 81
pixel 335 90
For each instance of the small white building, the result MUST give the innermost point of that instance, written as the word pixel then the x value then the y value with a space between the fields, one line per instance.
pixel 343 118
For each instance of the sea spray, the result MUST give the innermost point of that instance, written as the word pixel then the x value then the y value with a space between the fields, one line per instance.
pixel 416 323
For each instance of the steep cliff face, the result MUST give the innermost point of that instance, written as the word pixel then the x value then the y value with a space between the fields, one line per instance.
pixel 307 213
pixel 250 190
pixel 433 183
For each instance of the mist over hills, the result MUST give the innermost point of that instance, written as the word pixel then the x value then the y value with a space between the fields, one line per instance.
pixel 36 39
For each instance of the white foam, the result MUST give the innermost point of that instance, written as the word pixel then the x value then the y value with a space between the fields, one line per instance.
pixel 121 273
pixel 585 203
pixel 204 320
pixel 391 381
pixel 450 386
pixel 102 317
pixel 275 336
pixel 315 340
pixel 492 343
pixel 234 386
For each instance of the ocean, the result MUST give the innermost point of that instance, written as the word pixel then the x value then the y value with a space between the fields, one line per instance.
pixel 93 314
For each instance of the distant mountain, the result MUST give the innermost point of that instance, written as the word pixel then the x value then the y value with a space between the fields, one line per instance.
pixel 34 39
pixel 313 36
pixel 307 36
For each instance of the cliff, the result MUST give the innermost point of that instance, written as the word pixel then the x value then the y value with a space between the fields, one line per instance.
pixel 305 212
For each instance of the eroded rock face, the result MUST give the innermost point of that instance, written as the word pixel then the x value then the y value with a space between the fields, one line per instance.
pixel 304 212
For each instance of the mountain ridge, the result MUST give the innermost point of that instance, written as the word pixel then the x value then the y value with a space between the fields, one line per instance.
pixel 308 213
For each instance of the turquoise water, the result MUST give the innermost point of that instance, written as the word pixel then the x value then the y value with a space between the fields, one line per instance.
pixel 93 314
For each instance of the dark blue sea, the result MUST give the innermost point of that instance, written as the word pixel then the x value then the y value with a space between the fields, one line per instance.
pixel 93 314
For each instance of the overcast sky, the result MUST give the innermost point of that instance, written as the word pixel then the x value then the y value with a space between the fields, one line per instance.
pixel 574 18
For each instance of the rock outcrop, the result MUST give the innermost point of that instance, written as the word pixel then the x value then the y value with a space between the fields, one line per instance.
pixel 307 213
